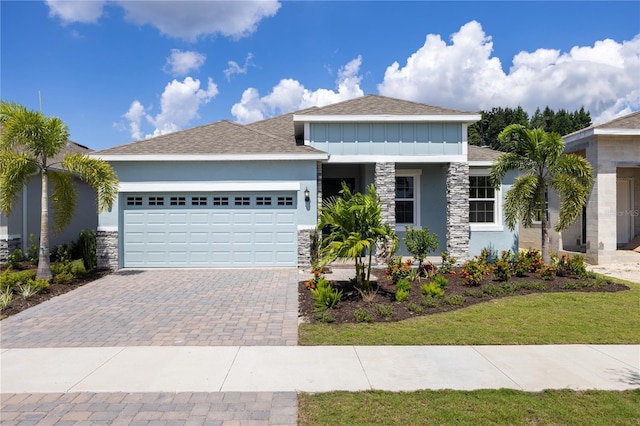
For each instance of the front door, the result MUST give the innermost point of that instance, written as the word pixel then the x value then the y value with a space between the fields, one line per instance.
pixel 623 210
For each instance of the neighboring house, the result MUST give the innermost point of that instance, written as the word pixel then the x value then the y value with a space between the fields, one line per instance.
pixel 231 195
pixel 24 220
pixel 611 219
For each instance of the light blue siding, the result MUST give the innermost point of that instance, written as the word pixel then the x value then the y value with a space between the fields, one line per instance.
pixel 387 138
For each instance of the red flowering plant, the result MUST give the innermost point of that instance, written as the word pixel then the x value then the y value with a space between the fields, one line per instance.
pixel 534 258
pixel 428 269
pixel 312 283
pixel 473 272
pixel 397 269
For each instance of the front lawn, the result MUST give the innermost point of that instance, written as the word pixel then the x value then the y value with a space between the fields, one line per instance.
pixel 543 318
pixel 482 407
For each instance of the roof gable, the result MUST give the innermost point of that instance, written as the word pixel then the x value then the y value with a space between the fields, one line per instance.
pixel 477 153
pixel 381 105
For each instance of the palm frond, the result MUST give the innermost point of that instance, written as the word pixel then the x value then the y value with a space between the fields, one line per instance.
pixel 15 170
pixel 97 173
pixel 63 198
pixel 521 200
pixel 573 196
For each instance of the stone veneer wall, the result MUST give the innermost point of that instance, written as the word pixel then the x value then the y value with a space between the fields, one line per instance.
pixel 107 249
pixel 7 246
pixel 304 247
pixel 385 183
pixel 458 211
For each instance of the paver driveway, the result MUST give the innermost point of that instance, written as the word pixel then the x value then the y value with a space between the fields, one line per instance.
pixel 176 307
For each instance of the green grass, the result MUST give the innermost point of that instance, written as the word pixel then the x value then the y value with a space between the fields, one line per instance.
pixel 483 407
pixel 552 318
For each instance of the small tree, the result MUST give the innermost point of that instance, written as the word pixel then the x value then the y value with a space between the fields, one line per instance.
pixel 355 226
pixel 29 143
pixel 540 158
pixel 420 242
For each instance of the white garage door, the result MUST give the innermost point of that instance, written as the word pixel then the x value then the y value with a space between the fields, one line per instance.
pixel 210 230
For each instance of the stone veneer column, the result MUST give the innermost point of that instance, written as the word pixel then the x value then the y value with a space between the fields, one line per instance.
pixel 304 247
pixel 385 183
pixel 319 185
pixel 8 246
pixel 107 249
pixel 458 211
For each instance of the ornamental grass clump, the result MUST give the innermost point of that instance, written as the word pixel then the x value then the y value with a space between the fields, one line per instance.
pixel 325 296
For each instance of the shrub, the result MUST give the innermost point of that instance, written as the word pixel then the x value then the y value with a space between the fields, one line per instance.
pixel 535 260
pixel 547 272
pixel 385 311
pixel 432 290
pixel 86 249
pixel 454 300
pixel 325 316
pixel 447 263
pixel 562 266
pixel 430 302
pixel 414 308
pixel 13 280
pixel 492 290
pixel 521 264
pixel 441 281
pixel 420 242
pixel 477 293
pixel 473 271
pixel 397 269
pixel 509 288
pixel 540 286
pixel 428 270
pixel 33 287
pixel 577 266
pixel 5 299
pixel 63 278
pixel 503 270
pixel 326 297
pixel 401 295
pixel 487 256
pixel 14 258
pixel 78 269
pixel 362 315
pixel 403 284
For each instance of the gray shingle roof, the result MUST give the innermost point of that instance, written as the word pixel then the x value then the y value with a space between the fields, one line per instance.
pixel 222 137
pixel 476 153
pixel 381 105
pixel 631 121
pixel 281 126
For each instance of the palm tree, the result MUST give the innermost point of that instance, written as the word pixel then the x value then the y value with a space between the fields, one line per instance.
pixel 540 158
pixel 29 144
pixel 355 225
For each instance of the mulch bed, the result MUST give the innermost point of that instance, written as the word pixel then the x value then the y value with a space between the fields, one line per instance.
pixel 352 300
pixel 19 304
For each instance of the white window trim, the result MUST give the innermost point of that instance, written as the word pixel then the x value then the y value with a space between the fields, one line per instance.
pixel 497 224
pixel 415 173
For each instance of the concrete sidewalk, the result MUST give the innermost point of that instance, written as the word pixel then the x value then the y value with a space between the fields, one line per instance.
pixel 318 368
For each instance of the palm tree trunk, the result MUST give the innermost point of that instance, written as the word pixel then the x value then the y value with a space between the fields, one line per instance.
pixel 44 266
pixel 544 245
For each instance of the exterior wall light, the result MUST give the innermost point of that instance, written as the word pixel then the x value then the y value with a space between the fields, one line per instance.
pixel 306 194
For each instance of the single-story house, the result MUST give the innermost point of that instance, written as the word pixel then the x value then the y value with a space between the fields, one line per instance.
pixel 231 195
pixel 611 218
pixel 24 220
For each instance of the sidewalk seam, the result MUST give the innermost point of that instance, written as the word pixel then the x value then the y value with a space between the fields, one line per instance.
pixel 362 366
pixel 496 367
pixel 593 346
pixel 229 370
pixel 96 369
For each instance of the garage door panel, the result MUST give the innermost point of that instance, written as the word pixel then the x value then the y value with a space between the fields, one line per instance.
pixel 209 236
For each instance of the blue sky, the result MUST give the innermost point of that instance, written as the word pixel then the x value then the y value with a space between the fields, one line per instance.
pixel 117 71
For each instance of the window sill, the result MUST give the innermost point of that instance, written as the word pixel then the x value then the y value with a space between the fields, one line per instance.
pixel 400 228
pixel 489 227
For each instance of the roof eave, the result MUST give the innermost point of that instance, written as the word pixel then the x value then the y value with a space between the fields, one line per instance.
pixel 596 131
pixel 319 156
pixel 339 118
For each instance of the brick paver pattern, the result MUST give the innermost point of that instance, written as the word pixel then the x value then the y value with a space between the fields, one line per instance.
pixel 185 408
pixel 169 307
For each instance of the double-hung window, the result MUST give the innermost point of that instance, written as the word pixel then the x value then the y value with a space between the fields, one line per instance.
pixel 407 198
pixel 484 203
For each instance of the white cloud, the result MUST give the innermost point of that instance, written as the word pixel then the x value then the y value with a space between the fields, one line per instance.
pixel 234 68
pixel 191 19
pixel 182 63
pixel 181 19
pixel 88 11
pixel 290 95
pixel 179 105
pixel 603 78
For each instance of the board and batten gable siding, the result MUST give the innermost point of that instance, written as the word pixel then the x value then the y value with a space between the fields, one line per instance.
pixel 387 138
pixel 252 174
